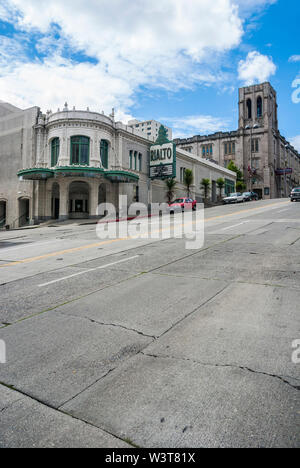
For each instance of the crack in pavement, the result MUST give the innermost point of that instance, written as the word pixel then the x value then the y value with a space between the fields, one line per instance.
pixel 11 404
pixel 110 325
pixel 234 366
pixel 47 405
pixel 253 283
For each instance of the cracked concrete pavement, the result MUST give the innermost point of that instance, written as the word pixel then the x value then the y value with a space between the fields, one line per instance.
pixel 169 348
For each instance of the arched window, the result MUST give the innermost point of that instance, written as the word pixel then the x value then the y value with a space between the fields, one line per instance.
pixel 259 107
pixel 54 151
pixel 104 153
pixel 249 109
pixel 80 149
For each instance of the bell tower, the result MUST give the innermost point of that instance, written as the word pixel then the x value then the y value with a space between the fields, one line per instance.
pixel 258 105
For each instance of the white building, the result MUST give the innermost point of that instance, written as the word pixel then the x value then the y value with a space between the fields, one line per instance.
pixel 62 165
pixel 149 128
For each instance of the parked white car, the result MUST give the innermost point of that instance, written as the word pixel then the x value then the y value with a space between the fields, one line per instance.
pixel 234 198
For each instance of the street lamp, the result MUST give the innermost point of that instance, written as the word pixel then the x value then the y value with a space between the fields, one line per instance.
pixel 285 167
pixel 251 128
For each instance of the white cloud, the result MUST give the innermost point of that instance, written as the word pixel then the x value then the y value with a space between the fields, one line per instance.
pixel 248 6
pixel 295 141
pixel 294 58
pixel 257 68
pixel 133 43
pixel 195 125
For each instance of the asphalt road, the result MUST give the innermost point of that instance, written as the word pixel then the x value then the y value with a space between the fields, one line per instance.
pixel 122 342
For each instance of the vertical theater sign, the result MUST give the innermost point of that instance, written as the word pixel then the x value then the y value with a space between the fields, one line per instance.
pixel 162 157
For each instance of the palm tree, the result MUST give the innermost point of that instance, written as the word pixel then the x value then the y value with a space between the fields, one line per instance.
pixel 188 180
pixel 220 184
pixel 170 186
pixel 205 185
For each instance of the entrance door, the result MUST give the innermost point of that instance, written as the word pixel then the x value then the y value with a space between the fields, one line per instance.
pixel 56 208
pixel 2 214
pixel 259 193
pixel 23 211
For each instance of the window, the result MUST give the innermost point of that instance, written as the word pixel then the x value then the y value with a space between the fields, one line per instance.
pixel 140 162
pixel 229 148
pixel 104 153
pixel 182 172
pixel 207 150
pixel 135 160
pixel 80 149
pixel 259 107
pixel 255 145
pixel 55 144
pixel 249 109
pixel 130 159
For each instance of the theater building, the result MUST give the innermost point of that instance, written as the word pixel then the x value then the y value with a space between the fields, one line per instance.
pixel 62 165
pixel 270 164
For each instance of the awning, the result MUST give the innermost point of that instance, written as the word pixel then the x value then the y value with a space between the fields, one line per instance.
pixel 36 174
pixel 124 177
pixel 78 171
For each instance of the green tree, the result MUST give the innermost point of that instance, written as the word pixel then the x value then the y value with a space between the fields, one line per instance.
pixel 240 186
pixel 170 187
pixel 205 185
pixel 240 183
pixel 220 184
pixel 188 180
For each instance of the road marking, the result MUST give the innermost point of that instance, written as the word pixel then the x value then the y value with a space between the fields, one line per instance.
pixel 87 271
pixel 110 241
pixel 286 209
pixel 235 225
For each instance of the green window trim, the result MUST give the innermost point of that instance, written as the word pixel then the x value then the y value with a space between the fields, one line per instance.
pixel 229 186
pixel 130 159
pixel 55 148
pixel 135 160
pixel 80 151
pixel 104 153
pixel 140 162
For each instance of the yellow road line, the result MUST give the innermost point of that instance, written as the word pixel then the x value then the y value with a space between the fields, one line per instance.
pixel 110 241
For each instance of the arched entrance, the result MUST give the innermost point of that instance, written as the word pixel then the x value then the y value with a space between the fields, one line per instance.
pixel 102 194
pixel 79 194
pixel 2 213
pixel 55 201
pixel 24 211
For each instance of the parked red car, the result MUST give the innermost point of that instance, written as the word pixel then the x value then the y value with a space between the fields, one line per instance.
pixel 182 204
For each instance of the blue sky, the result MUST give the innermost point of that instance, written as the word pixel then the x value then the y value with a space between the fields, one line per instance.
pixel 177 61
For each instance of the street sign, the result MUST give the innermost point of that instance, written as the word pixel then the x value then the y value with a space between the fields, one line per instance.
pixel 162 157
pixel 284 171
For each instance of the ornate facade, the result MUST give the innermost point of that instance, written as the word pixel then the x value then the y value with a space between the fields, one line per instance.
pixel 270 164
pixel 62 165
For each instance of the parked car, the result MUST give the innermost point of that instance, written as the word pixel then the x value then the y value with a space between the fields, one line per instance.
pixel 295 194
pixel 250 196
pixel 234 198
pixel 182 204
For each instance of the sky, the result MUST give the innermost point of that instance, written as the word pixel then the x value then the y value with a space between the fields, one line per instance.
pixel 177 61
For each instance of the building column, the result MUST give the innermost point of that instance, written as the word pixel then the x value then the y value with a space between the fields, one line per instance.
pixel 94 194
pixel 48 204
pixel 63 202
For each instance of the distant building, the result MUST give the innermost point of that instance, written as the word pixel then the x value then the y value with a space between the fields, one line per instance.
pixel 149 128
pixel 270 164
pixel 62 165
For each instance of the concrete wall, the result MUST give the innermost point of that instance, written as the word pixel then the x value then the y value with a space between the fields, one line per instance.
pixel 17 141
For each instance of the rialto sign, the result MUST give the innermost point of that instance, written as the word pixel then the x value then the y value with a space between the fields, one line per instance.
pixel 163 161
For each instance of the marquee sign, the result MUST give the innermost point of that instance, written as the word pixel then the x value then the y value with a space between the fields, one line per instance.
pixel 162 157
